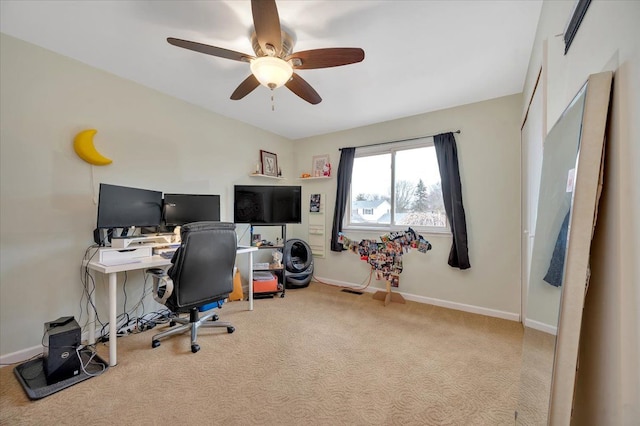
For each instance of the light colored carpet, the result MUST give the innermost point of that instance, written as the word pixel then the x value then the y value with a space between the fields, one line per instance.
pixel 535 378
pixel 318 356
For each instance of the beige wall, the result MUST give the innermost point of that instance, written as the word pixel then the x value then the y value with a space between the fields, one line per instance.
pixel 608 384
pixel 488 150
pixel 49 195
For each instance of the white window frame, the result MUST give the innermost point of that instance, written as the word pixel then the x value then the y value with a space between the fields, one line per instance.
pixel 391 148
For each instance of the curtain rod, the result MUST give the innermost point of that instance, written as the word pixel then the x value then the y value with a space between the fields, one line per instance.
pixel 401 140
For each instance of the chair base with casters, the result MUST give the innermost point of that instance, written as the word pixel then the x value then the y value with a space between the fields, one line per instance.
pixel 194 322
pixel 162 290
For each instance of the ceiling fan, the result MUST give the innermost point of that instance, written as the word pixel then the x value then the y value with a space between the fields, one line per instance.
pixel 274 63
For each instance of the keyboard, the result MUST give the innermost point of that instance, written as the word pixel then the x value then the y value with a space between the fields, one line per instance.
pixel 167 254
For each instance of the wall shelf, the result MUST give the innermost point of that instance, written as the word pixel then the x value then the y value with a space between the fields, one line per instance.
pixel 315 177
pixel 265 176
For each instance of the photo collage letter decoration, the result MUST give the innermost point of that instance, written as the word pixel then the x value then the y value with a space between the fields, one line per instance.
pixel 385 256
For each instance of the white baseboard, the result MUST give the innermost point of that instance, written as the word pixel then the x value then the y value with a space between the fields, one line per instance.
pixel 511 316
pixel 540 326
pixel 28 353
pixel 20 356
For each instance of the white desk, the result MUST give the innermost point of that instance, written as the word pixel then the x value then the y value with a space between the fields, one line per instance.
pixel 145 263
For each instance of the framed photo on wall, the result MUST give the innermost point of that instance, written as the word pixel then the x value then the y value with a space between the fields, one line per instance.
pixel 269 162
pixel 318 165
pixel 314 203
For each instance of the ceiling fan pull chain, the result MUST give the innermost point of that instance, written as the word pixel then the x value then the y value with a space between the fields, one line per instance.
pixel 273 107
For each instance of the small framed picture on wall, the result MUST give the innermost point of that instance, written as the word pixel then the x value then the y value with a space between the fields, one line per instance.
pixel 320 166
pixel 314 203
pixel 269 162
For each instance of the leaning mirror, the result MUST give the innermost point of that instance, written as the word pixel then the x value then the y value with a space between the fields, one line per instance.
pixel 558 278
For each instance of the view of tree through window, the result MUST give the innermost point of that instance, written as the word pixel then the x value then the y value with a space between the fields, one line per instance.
pixel 416 199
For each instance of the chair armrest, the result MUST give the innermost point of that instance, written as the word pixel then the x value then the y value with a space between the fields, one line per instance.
pixel 162 284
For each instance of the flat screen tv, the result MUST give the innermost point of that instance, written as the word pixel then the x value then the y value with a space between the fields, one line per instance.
pixel 180 209
pixel 123 207
pixel 277 204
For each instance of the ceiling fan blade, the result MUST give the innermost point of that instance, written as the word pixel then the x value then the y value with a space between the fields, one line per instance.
pixel 326 58
pixel 245 88
pixel 267 25
pixel 210 50
pixel 303 89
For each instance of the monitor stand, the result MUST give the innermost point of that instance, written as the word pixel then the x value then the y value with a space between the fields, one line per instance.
pixel 126 231
pixel 138 241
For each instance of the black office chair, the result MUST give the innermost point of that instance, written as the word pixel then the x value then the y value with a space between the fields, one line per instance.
pixel 200 275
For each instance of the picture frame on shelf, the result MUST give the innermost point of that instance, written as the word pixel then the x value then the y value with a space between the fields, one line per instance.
pixel 269 162
pixel 320 166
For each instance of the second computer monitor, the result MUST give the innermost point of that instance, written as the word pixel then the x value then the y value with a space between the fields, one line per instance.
pixel 180 209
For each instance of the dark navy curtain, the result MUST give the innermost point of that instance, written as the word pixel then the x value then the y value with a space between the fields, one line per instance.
pixel 556 266
pixel 447 154
pixel 345 168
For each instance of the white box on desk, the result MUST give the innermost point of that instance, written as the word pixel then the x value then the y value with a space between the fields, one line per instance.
pixel 129 242
pixel 111 255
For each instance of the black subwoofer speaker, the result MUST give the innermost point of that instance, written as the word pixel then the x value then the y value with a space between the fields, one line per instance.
pixel 61 339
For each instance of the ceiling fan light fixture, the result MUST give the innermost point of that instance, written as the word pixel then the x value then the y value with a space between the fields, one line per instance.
pixel 270 71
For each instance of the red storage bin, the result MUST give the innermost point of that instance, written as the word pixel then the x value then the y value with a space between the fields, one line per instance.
pixel 264 282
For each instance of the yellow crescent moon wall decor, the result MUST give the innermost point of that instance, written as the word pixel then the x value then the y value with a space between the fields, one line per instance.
pixel 83 145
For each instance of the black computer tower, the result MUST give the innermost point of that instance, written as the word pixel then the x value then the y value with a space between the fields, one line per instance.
pixel 61 339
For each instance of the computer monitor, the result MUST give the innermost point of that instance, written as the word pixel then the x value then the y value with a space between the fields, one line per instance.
pixel 180 209
pixel 124 207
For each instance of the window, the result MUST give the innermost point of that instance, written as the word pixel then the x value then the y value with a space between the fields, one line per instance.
pixel 397 187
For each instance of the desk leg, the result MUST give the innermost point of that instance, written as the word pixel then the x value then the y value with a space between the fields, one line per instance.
pixel 113 329
pixel 251 281
pixel 92 314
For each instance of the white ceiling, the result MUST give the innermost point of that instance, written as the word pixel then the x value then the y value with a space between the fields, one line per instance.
pixel 420 56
